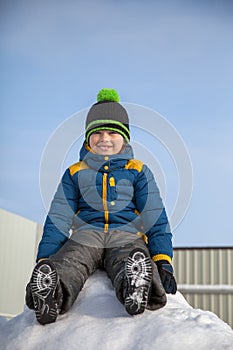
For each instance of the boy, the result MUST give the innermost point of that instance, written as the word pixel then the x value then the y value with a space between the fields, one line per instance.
pixel 107 213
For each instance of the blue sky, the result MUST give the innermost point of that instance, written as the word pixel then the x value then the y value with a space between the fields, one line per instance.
pixel 174 57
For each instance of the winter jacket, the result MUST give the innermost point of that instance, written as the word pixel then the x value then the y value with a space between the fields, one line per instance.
pixel 103 193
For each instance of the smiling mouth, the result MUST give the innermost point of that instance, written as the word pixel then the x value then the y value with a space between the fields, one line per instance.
pixel 103 147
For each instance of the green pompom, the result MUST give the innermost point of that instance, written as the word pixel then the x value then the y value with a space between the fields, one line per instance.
pixel 108 95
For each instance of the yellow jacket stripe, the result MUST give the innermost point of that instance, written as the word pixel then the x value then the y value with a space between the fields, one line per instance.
pixel 104 194
pixel 161 257
pixel 134 164
pixel 78 166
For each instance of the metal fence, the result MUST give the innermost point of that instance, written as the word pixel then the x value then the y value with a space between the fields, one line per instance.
pixel 205 278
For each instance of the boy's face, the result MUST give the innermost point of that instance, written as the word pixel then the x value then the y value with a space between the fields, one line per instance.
pixel 106 142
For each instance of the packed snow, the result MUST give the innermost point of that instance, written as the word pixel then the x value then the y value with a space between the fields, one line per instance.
pixel 98 321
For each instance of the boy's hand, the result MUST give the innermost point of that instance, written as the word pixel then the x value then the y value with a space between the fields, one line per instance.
pixel 167 278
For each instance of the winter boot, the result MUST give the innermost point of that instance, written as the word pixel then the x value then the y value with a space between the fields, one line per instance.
pixel 138 273
pixel 43 286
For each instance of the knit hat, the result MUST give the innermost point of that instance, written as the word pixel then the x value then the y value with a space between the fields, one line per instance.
pixel 107 114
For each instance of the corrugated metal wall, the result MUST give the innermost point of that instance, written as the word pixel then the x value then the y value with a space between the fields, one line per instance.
pixel 211 267
pixel 18 239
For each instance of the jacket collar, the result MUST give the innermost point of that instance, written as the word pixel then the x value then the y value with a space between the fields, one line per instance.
pixel 105 163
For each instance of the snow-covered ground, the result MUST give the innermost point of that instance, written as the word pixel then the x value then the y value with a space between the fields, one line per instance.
pixel 98 321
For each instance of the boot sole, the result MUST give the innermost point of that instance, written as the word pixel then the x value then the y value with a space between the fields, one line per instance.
pixel 43 285
pixel 138 278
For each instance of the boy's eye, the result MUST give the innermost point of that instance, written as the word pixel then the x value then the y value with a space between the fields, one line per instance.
pixel 110 132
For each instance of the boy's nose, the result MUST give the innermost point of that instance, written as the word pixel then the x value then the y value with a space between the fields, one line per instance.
pixel 105 136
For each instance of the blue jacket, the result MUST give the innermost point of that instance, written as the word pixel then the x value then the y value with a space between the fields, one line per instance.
pixel 108 192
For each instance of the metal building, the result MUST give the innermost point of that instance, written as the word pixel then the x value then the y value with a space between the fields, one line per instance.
pixel 18 242
pixel 205 278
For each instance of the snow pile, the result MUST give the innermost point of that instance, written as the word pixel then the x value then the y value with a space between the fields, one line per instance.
pixel 98 321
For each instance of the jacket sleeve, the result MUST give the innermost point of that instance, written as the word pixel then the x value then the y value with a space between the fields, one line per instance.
pixel 154 217
pixel 59 219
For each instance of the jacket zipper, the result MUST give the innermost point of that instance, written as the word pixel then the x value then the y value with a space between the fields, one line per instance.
pixel 104 195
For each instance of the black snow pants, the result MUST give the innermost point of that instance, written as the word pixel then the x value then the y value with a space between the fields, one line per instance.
pixel 87 251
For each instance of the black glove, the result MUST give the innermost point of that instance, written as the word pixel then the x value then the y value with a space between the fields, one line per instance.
pixel 166 274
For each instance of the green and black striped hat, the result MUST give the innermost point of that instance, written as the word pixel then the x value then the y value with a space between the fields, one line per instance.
pixel 108 114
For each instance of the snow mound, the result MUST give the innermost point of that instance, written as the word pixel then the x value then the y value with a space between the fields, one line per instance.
pixel 98 321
